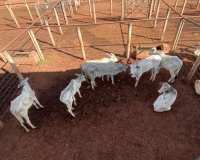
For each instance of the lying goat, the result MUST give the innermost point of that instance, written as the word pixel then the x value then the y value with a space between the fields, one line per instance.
pixel 100 69
pixel 68 94
pixel 166 99
pixel 110 58
pixel 151 63
pixel 20 105
pixel 171 63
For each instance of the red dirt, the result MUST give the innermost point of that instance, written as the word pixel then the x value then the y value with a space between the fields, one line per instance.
pixel 112 122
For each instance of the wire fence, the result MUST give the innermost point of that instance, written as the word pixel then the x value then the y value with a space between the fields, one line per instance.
pixel 97 39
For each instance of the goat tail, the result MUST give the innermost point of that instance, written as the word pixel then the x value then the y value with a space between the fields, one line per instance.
pixel 177 71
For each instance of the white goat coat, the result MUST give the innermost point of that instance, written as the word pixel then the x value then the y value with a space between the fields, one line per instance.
pixel 165 101
pixel 197 86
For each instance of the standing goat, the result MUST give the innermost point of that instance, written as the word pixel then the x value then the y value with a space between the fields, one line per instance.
pixel 166 99
pixel 151 63
pixel 68 94
pixel 21 104
pixel 171 63
pixel 110 58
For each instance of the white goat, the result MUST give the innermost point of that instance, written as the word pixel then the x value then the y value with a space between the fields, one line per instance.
pixel 100 69
pixel 68 94
pixel 151 63
pixel 171 63
pixel 21 104
pixel 166 99
pixel 110 58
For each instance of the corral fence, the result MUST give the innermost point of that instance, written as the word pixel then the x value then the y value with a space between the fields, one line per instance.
pixel 18 59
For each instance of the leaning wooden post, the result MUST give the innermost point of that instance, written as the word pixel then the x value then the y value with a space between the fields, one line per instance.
pixel 9 3
pixel 12 14
pixel 13 65
pixel 150 9
pixel 28 9
pixel 57 19
pixel 81 42
pixel 111 7
pixel 129 40
pixel 49 31
pixel 178 33
pixel 154 5
pixel 94 12
pixel 193 69
pixel 71 9
pixel 90 8
pixel 64 12
pixel 183 7
pixel 38 13
pixel 165 25
pixel 198 3
pixel 36 45
pixel 175 4
pixel 157 11
pixel 122 7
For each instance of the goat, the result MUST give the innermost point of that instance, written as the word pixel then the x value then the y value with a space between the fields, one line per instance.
pixel 151 63
pixel 171 63
pixel 166 99
pixel 110 58
pixel 21 104
pixel 100 69
pixel 67 96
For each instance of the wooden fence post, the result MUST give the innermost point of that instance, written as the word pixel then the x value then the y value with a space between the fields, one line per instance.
pixel 81 42
pixel 57 19
pixel 123 10
pixel 28 9
pixel 38 13
pixel 178 33
pixel 193 69
pixel 165 25
pixel 49 31
pixel 129 40
pixel 94 11
pixel 198 3
pixel 64 12
pixel 150 9
pixel 90 8
pixel 183 7
pixel 175 4
pixel 13 65
pixel 154 5
pixel 12 14
pixel 157 11
pixel 35 43
pixel 71 10
pixel 111 7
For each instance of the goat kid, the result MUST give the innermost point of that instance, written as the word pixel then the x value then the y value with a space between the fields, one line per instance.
pixel 68 94
pixel 20 105
pixel 166 99
pixel 151 63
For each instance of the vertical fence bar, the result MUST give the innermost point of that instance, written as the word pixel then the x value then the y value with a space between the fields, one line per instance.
pixel 13 65
pixel 193 69
pixel 123 10
pixel 178 33
pixel 165 25
pixel 175 4
pixel 57 19
pixel 157 11
pixel 71 9
pixel 90 8
pixel 154 5
pixel 25 2
pixel 38 13
pixel 81 42
pixel 111 7
pixel 49 31
pixel 35 43
pixel 12 14
pixel 129 40
pixel 198 3
pixel 64 12
pixel 183 7
pixel 94 12
pixel 150 9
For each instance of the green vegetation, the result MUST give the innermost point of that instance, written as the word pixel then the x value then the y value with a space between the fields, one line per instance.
pixel 47 59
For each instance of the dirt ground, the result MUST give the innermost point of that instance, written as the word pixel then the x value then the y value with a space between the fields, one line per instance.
pixel 113 122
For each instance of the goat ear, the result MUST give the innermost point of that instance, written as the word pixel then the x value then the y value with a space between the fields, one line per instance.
pixel 76 74
pixel 27 78
pixel 108 54
pixel 161 83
